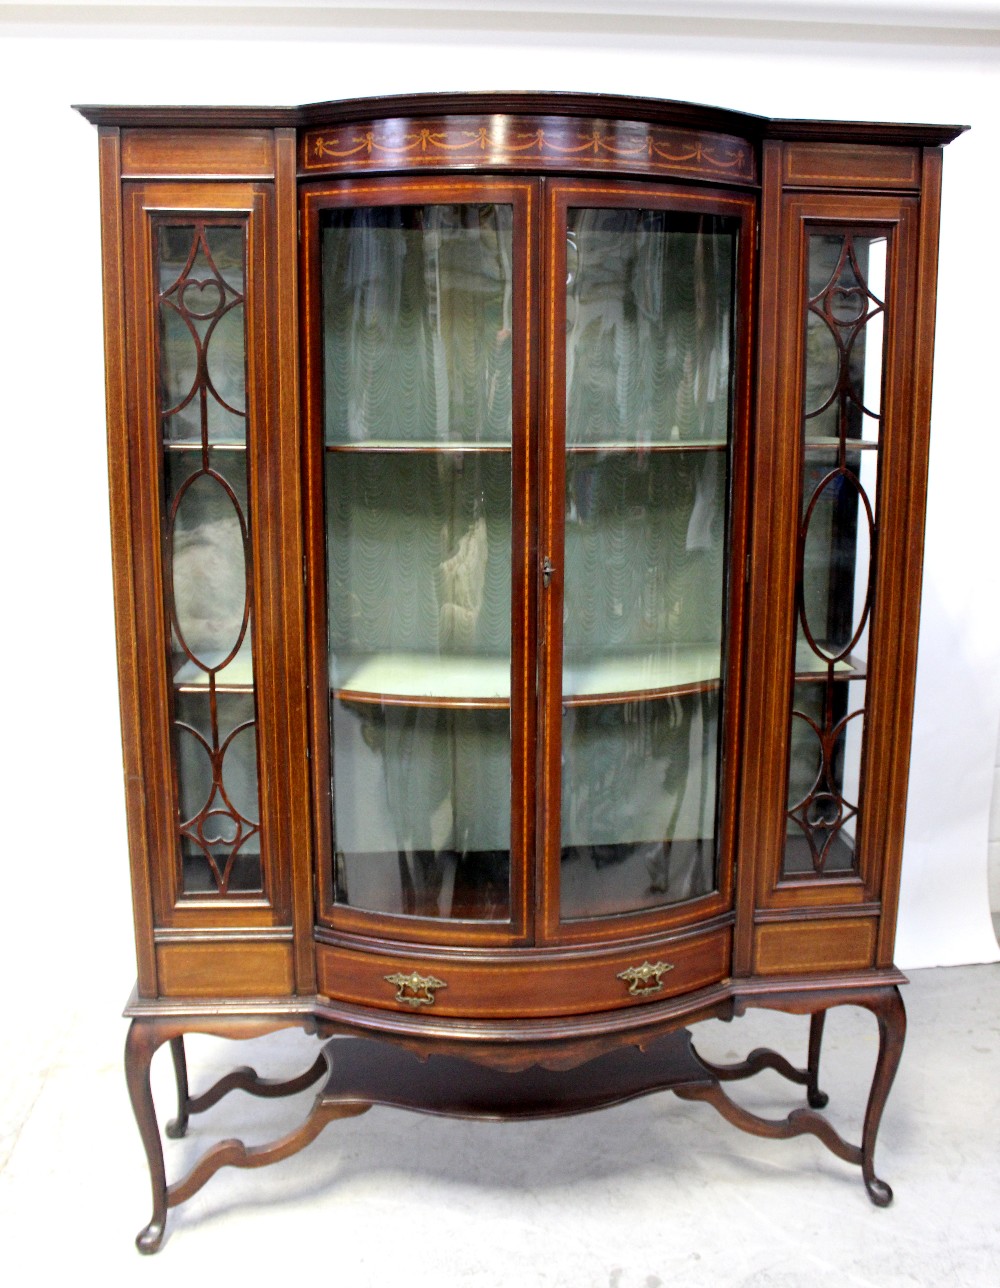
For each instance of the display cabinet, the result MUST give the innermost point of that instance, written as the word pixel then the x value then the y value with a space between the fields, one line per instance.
pixel 517 506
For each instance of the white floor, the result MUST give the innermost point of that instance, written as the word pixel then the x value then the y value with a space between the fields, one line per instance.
pixel 653 1194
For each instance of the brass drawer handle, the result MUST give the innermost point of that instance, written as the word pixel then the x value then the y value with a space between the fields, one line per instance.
pixel 415 990
pixel 644 979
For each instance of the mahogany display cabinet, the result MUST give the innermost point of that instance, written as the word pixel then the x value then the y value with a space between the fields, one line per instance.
pixel 517 510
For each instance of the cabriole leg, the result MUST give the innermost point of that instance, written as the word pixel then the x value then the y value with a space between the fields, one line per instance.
pixel 817 1099
pixel 140 1046
pixel 178 1126
pixel 890 1013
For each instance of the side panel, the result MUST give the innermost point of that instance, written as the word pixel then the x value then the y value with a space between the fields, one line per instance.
pixel 836 544
pixel 219 696
pixel 123 552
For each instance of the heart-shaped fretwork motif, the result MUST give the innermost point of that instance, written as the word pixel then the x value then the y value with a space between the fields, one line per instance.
pixel 202 300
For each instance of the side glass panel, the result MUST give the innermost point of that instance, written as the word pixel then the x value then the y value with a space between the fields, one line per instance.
pixel 417 370
pixel 200 271
pixel 649 375
pixel 841 418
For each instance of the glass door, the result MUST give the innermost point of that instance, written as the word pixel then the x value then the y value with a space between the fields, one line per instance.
pixel 420 414
pixel 646 378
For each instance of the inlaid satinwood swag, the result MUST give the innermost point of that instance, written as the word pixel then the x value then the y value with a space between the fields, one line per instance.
pixel 554 144
pixel 474 703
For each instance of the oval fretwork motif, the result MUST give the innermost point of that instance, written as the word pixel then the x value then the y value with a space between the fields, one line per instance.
pixel 201 275
pixel 844 315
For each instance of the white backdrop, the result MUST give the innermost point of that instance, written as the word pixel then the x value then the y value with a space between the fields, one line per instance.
pixel 65 870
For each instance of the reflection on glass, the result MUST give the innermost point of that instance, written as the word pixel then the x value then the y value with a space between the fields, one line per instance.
pixel 649 343
pixel 209 587
pixel 417 323
pixel 418 549
pixel 200 272
pixel 845 316
pixel 836 553
pixel 824 776
pixel 423 810
pixel 201 335
pixel 649 302
pixel 639 797
pixel 218 807
pixel 417 306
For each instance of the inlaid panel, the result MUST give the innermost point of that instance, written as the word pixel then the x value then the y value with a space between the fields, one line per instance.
pixel 502 141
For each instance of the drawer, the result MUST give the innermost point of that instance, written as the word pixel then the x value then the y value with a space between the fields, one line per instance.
pixel 525 983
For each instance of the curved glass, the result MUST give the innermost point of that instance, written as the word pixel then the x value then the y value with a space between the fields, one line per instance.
pixel 417 372
pixel 649 361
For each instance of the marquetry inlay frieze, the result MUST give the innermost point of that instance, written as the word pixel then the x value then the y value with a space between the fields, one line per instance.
pixel 519 142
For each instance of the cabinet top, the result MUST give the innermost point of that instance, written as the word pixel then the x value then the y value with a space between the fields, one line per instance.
pixel 581 106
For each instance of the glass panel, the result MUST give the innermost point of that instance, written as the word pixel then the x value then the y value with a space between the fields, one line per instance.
pixel 844 322
pixel 648 390
pixel 824 777
pixel 200 271
pixel 423 810
pixel 639 796
pixel 649 300
pixel 217 787
pixel 417 324
pixel 202 332
pixel 417 394
pixel 844 316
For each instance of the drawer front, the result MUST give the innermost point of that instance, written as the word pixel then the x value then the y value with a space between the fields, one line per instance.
pixel 531 984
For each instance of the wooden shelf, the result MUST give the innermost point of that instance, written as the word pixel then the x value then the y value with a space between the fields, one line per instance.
pixel 619 448
pixel 631 677
pixel 809 667
pixel 195 445
pixel 432 446
pixel 237 677
pixel 422 680
pixel 832 442
pixel 610 448
pixel 483 683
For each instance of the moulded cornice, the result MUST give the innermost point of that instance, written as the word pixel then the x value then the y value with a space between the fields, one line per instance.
pixel 589 106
